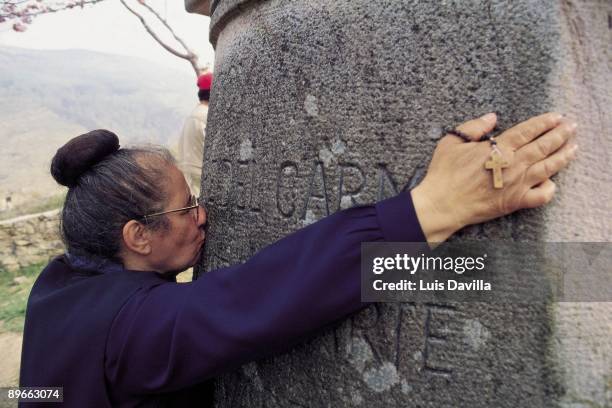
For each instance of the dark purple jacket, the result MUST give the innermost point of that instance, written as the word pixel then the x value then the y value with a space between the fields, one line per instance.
pixel 113 337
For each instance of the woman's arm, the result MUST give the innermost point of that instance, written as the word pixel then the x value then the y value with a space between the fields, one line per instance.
pixel 174 335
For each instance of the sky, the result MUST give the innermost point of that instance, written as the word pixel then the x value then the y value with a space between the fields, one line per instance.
pixel 108 27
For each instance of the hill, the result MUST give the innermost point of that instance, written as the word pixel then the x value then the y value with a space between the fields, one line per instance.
pixel 51 96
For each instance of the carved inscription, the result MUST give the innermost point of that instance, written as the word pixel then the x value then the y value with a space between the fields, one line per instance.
pixel 433 319
pixel 235 184
pixel 351 183
pixel 303 190
pixel 317 189
pixel 435 338
pixel 387 187
pixel 403 309
pixel 245 185
pixel 285 189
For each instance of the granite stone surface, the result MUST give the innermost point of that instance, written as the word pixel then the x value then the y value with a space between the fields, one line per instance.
pixel 320 105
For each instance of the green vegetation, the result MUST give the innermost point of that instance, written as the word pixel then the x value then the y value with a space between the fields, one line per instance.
pixel 48 203
pixel 36 206
pixel 14 291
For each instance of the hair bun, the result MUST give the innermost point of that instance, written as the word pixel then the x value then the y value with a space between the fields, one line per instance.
pixel 80 154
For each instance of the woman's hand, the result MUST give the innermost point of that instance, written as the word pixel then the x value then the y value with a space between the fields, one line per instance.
pixel 458 191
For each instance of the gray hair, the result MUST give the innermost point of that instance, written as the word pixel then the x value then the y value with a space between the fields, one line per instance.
pixel 120 186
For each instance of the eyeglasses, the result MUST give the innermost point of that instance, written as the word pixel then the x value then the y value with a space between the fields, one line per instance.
pixel 194 203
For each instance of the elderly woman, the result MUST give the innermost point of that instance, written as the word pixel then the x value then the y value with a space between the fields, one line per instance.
pixel 108 323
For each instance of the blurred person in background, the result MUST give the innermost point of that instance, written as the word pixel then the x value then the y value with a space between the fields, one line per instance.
pixel 191 141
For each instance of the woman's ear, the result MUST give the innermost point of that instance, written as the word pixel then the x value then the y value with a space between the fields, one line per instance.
pixel 137 238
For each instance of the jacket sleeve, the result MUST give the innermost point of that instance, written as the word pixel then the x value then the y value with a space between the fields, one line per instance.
pixel 176 335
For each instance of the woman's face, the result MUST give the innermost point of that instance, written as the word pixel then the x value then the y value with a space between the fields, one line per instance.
pixel 178 247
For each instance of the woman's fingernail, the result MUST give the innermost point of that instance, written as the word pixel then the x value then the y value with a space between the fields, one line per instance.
pixel 489 117
pixel 573 151
pixel 572 125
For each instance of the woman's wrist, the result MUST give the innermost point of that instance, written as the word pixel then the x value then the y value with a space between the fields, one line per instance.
pixel 437 221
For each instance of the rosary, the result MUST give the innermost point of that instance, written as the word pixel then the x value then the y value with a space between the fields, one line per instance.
pixel 496 161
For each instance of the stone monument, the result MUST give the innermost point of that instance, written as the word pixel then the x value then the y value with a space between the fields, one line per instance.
pixel 320 105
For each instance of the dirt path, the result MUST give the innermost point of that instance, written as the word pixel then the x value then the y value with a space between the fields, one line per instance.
pixel 10 355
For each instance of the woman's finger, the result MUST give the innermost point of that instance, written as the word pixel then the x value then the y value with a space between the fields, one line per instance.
pixel 539 195
pixel 523 133
pixel 474 129
pixel 547 144
pixel 477 128
pixel 550 166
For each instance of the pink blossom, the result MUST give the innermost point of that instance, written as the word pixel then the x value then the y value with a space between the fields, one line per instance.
pixel 19 27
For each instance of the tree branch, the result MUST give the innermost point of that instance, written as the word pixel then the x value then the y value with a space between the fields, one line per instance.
pixel 189 56
pixel 165 23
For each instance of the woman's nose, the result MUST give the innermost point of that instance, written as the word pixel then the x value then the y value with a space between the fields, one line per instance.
pixel 201 216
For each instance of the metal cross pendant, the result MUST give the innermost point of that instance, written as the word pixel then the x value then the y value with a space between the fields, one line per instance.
pixel 497 163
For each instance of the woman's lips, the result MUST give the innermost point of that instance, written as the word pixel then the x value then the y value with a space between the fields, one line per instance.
pixel 201 236
pixel 202 240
